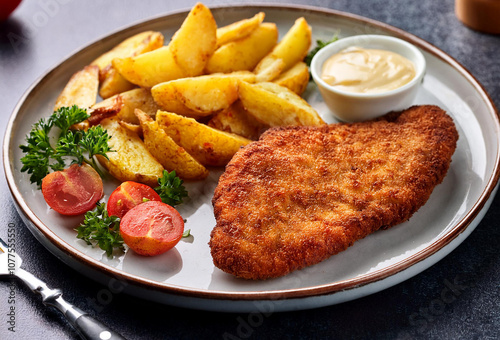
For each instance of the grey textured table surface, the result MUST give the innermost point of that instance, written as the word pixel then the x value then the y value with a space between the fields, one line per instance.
pixel 49 30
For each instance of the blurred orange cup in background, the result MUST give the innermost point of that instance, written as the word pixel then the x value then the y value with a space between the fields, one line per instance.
pixel 480 15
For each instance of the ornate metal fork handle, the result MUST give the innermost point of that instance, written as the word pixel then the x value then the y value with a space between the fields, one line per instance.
pixel 87 327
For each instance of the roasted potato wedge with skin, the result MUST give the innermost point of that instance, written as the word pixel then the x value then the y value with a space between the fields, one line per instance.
pixel 295 79
pixel 137 44
pixel 239 29
pixel 150 68
pixel 196 40
pixel 81 89
pixel 276 105
pixel 293 47
pixel 269 69
pixel 135 128
pixel 167 152
pixel 130 160
pixel 237 120
pixel 105 109
pixel 113 84
pixel 200 96
pixel 207 145
pixel 139 98
pixel 171 100
pixel 245 53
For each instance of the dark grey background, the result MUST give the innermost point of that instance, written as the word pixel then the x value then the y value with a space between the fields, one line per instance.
pixel 49 30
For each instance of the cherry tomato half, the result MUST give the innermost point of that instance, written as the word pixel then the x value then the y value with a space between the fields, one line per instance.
pixel 128 195
pixel 74 190
pixel 152 228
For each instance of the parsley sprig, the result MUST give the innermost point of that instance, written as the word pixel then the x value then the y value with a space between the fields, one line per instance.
pixel 98 228
pixel 80 146
pixel 171 188
pixel 84 145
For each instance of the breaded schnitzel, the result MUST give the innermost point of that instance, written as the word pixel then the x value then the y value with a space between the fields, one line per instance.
pixel 301 194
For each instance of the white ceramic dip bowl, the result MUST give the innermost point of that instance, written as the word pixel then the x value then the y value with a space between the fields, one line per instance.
pixel 352 106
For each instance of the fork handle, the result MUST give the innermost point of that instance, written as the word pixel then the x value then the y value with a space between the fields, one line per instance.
pixel 91 329
pixel 87 327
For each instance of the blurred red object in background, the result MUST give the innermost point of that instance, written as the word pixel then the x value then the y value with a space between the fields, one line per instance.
pixel 7 7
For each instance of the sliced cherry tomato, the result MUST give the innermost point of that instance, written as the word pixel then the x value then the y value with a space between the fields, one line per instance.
pixel 74 190
pixel 152 228
pixel 128 195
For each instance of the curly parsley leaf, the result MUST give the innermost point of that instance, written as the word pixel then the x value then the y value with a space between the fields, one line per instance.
pixel 80 146
pixel 67 145
pixel 64 117
pixel 170 188
pixel 319 45
pixel 95 142
pixel 40 156
pixel 98 228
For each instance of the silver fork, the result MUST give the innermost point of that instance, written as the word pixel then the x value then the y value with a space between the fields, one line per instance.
pixel 86 326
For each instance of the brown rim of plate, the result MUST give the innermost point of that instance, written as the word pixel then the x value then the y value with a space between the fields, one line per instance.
pixel 297 293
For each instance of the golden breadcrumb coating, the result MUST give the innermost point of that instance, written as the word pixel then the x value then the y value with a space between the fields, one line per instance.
pixel 301 194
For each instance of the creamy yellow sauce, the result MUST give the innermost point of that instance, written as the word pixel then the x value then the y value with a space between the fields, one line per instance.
pixel 367 70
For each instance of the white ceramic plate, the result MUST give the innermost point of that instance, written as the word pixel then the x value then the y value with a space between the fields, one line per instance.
pixel 186 276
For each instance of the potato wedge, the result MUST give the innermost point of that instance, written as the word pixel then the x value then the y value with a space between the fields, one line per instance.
pixel 200 96
pixel 113 84
pixel 135 128
pixel 137 44
pixel 104 109
pixel 131 160
pixel 237 120
pixel 150 68
pixel 276 105
pixel 239 29
pixel 207 145
pixel 295 79
pixel 139 98
pixel 167 152
pixel 81 89
pixel 293 47
pixel 269 69
pixel 245 53
pixel 196 40
pixel 170 99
